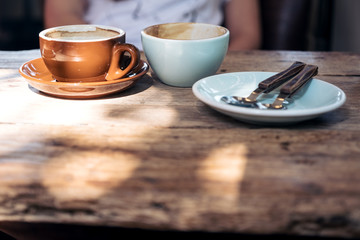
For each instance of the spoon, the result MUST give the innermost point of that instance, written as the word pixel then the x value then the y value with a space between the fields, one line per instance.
pixel 287 91
pixel 267 85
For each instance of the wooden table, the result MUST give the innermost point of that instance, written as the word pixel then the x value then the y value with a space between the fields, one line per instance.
pixel 154 157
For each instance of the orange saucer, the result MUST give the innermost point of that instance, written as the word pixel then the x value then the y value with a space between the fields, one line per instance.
pixel 38 76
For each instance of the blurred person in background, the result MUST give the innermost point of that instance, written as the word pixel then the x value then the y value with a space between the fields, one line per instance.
pixel 241 17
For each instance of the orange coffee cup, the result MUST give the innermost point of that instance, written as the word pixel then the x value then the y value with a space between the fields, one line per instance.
pixel 87 53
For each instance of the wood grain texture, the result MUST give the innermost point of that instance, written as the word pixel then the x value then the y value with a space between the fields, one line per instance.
pixel 154 157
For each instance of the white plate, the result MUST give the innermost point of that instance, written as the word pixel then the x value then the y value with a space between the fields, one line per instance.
pixel 315 98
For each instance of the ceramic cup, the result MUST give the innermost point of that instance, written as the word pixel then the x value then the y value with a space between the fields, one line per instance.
pixel 182 53
pixel 87 53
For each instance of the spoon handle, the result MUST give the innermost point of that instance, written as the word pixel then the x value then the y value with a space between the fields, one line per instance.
pixel 299 80
pixel 278 79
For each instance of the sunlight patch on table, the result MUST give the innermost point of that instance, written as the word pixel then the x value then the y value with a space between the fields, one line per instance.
pixel 65 113
pixel 86 175
pixel 12 106
pixel 221 174
pixel 158 115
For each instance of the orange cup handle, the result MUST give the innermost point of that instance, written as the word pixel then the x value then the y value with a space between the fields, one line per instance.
pixel 115 72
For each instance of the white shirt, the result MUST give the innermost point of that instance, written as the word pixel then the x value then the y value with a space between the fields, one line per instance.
pixel 135 15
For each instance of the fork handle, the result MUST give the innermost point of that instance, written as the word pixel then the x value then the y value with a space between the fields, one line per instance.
pixel 278 79
pixel 299 80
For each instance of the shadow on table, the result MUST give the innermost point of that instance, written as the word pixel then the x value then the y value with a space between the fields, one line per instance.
pixel 45 231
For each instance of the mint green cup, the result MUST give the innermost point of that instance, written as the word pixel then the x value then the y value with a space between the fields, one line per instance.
pixel 182 53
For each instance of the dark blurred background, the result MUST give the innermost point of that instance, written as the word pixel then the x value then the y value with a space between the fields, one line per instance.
pixel 20 23
pixel 316 25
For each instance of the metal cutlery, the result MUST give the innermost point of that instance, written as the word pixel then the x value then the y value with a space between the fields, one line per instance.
pixel 267 85
pixel 291 87
pixel 287 90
